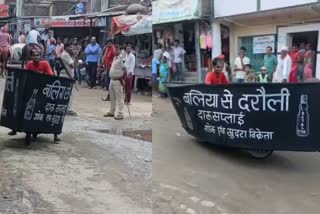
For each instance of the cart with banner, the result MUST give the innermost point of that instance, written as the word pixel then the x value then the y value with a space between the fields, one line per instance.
pixel 258 118
pixel 35 103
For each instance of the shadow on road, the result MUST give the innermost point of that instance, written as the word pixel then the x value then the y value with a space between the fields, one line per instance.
pixel 275 161
pixel 18 143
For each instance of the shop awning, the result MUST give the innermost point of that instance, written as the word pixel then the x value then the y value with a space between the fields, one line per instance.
pixel 79 16
pixel 81 20
pixel 130 25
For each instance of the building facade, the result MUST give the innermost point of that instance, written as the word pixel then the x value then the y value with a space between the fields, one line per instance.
pixel 189 22
pixel 261 23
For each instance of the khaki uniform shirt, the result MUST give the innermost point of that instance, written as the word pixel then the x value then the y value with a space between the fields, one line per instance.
pixel 67 61
pixel 117 66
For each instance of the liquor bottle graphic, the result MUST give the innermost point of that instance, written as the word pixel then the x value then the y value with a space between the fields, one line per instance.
pixel 188 118
pixel 16 98
pixel 30 106
pixel 303 117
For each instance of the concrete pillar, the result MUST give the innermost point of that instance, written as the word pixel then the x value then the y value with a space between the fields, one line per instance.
pixel 216 38
pixel 198 53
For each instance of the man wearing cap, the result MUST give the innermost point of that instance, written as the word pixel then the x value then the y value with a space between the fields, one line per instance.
pixel 283 68
pixel 263 76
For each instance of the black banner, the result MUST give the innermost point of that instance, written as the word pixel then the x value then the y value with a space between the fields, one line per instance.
pixel 35 102
pixel 251 116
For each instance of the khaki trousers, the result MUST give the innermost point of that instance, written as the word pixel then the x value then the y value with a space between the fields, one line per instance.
pixel 116 97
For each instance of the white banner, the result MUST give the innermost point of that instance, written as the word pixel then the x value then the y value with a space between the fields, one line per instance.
pixel 164 11
pixel 262 42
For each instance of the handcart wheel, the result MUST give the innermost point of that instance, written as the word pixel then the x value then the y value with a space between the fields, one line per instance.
pixel 28 139
pixel 34 136
pixel 260 154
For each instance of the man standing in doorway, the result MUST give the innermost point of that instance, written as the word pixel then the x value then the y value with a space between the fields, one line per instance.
pixel 107 60
pixel 178 53
pixel 117 73
pixel 68 71
pixel 270 62
pixel 239 64
pixel 130 65
pixel 92 51
pixel 283 68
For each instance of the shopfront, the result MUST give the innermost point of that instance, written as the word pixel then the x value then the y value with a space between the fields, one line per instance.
pixel 274 28
pixel 181 21
pixel 67 29
pixel 137 31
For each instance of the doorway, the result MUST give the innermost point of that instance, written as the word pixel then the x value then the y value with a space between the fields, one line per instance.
pixel 301 39
pixel 225 42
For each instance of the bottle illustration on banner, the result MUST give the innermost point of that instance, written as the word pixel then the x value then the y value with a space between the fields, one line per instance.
pixel 30 106
pixel 303 117
pixel 16 98
pixel 188 118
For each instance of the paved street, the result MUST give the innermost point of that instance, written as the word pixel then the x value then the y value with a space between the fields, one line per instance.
pixel 96 169
pixel 194 178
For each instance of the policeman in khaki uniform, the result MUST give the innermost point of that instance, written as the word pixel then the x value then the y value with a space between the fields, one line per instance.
pixel 117 73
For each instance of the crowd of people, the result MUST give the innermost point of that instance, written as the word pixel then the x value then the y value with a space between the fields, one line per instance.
pixel 167 65
pixel 296 65
pixel 110 67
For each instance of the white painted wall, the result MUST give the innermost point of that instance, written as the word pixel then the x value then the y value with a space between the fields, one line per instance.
pixel 233 7
pixel 273 4
pixel 237 32
pixel 318 67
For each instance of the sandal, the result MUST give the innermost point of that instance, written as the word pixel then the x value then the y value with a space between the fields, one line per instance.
pixel 109 114
pixel 12 133
pixel 106 99
pixel 119 117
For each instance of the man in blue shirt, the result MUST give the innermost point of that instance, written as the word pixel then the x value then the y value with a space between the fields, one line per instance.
pixel 92 52
pixel 51 52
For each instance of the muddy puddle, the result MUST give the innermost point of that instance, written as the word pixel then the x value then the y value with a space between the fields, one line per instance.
pixel 145 135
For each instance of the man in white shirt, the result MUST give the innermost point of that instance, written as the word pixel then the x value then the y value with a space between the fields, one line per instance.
pixel 283 68
pixel 33 37
pixel 130 64
pixel 239 64
pixel 178 53
pixel 21 38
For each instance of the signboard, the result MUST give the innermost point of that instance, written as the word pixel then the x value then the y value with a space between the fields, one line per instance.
pixel 35 102
pixel 282 41
pixel 251 116
pixel 262 42
pixel 47 22
pixel 4 10
pixel 164 11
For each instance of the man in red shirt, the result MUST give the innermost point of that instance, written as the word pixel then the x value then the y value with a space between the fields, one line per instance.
pixel 38 65
pixel 108 57
pixel 41 66
pixel 216 77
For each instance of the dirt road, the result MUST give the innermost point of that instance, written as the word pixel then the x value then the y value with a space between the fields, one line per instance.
pixel 190 177
pixel 94 170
